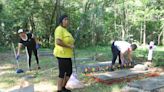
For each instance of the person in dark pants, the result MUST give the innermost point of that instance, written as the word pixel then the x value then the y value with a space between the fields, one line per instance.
pixel 28 40
pixel 63 51
pixel 122 49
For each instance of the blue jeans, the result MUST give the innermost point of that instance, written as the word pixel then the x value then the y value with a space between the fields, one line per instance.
pixel 115 53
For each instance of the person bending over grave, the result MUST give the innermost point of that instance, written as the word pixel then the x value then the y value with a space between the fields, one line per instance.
pixel 28 40
pixel 122 49
pixel 63 51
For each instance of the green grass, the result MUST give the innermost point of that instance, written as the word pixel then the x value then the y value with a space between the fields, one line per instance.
pixel 158 60
pixel 49 69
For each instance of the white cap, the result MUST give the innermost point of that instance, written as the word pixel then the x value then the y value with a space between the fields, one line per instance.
pixel 20 31
pixel 151 43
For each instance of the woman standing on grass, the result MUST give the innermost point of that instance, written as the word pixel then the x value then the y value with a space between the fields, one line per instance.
pixel 63 51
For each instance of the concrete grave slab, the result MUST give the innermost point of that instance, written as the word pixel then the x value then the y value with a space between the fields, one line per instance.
pixel 100 66
pixel 29 88
pixel 155 84
pixel 24 86
pixel 118 74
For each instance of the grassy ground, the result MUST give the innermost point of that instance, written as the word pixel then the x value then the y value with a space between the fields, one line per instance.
pixel 46 78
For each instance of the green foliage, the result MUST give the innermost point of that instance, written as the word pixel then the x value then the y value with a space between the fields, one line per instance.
pixel 100 21
pixel 158 56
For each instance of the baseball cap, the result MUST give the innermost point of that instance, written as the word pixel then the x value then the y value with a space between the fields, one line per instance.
pixel 20 31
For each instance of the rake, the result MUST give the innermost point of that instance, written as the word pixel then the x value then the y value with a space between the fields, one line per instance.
pixel 18 70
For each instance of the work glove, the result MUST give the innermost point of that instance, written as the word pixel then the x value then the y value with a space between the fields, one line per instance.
pixel 37 46
pixel 17 57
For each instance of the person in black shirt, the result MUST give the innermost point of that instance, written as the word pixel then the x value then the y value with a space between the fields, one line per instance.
pixel 28 40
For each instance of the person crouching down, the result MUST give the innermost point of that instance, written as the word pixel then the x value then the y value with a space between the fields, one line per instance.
pixel 28 40
pixel 63 51
pixel 121 49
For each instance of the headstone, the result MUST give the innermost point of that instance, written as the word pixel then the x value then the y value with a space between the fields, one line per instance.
pixel 29 88
pixel 140 67
pixel 2 90
pixel 118 76
pixel 24 86
pixel 148 64
pixel 29 77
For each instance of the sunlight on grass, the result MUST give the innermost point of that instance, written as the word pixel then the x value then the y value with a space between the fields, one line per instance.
pixel 6 66
pixel 46 79
pixel 7 82
pixel 116 88
pixel 45 87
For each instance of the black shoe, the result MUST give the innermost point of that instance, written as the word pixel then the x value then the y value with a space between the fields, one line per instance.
pixel 65 90
pixel 122 67
pixel 131 65
pixel 58 91
pixel 111 69
pixel 39 67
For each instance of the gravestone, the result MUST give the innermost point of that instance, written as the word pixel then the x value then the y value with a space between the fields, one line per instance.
pixel 29 88
pixel 24 86
pixel 119 74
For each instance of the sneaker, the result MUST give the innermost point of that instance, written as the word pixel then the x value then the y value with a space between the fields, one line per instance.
pixel 65 90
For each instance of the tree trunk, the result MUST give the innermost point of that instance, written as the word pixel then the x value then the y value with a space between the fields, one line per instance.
pixel 126 26
pixel 141 34
pixel 115 22
pixel 144 33
pixel 122 31
pixel 163 38
pixel 52 16
pixel 32 24
pixel 57 12
pixel 159 37
pixel 123 21
pixel 93 29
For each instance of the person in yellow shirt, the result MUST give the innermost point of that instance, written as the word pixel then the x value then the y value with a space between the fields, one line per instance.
pixel 63 51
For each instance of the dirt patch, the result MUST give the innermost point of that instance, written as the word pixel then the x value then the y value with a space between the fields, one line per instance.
pixel 44 87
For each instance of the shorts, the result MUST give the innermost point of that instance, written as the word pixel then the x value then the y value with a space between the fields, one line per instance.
pixel 65 67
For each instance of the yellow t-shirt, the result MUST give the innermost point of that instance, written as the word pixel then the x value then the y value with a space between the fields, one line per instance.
pixel 66 37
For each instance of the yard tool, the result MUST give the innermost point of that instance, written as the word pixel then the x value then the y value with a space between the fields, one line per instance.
pixel 27 58
pixel 76 37
pixel 18 70
pixel 74 58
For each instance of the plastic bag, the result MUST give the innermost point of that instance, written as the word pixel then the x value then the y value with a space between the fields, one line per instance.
pixel 74 83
